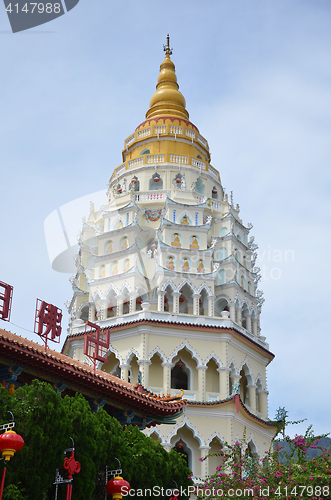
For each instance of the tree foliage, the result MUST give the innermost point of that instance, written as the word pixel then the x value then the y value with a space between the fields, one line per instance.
pixel 46 421
pixel 278 475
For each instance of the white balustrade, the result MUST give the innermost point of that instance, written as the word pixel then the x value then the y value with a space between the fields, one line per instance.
pixel 203 141
pixel 197 163
pixel 213 171
pixel 155 159
pixel 179 159
pixel 130 140
pixel 136 162
pixel 144 133
pixel 160 130
pixel 151 196
pixel 176 130
pixel 190 133
pixel 120 169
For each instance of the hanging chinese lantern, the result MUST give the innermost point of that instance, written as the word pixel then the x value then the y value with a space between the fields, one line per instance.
pixel 156 179
pixel 134 181
pixel 214 191
pixel 115 487
pixel 180 444
pixel 180 363
pixel 10 443
pixel 138 301
pixel 119 190
pixel 178 180
pixel 181 299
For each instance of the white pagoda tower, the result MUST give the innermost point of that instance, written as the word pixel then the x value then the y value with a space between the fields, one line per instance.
pixel 168 266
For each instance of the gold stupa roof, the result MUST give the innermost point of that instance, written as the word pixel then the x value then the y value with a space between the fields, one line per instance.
pixel 167 99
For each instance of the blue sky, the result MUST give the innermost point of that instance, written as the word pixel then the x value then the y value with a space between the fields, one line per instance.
pixel 256 77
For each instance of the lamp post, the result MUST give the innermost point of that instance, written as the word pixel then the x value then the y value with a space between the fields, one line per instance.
pixel 115 485
pixel 10 443
pixel 72 466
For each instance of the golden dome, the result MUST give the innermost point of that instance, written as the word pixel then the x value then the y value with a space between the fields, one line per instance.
pixel 167 99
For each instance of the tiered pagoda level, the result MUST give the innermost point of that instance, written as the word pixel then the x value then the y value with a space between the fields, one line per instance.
pixel 168 265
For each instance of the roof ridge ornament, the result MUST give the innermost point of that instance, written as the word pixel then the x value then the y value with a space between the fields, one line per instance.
pixel 167 49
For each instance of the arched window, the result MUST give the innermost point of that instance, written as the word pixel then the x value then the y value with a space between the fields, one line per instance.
pixel 200 186
pixel 136 183
pixel 222 253
pixel 180 376
pixel 145 152
pixel 221 278
pixel 155 182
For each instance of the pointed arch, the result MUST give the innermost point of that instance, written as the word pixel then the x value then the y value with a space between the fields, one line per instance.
pixel 189 348
pixel 168 283
pixel 206 288
pixel 215 358
pixel 155 430
pixel 118 222
pixel 186 423
pixel 115 352
pixel 188 283
pixel 158 351
pixel 111 288
pixel 125 287
pixel 249 369
pixel 130 355
pixel 96 296
pixel 188 217
pixel 216 435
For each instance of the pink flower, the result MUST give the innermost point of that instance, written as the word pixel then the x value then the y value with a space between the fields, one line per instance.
pixel 201 459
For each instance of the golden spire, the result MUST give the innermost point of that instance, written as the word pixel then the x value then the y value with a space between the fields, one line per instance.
pixel 167 99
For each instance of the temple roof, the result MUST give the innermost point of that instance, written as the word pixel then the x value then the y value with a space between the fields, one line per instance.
pixel 53 366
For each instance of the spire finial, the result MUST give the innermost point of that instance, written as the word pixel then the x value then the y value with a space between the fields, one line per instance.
pixel 167 48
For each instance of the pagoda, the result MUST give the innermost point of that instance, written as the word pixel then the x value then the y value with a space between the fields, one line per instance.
pixel 168 266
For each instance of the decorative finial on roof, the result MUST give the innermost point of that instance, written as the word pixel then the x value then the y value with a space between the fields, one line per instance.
pixel 167 49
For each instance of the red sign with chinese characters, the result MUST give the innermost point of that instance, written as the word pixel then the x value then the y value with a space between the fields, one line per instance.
pixel 96 343
pixel 6 295
pixel 48 321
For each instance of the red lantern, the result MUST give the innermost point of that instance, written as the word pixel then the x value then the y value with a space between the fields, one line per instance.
pixel 180 444
pixel 156 179
pixel 134 181
pixel 181 299
pixel 180 363
pixel 214 191
pixel 119 190
pixel 117 487
pixel 178 180
pixel 138 301
pixel 10 443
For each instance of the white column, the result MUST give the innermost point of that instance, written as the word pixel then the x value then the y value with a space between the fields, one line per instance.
pixel 92 312
pixel 175 303
pixel 104 308
pixel 254 326
pixel 133 297
pixel 201 382
pixel 166 376
pixel 204 450
pixel 211 299
pixel 125 371
pixel 238 313
pixel 232 312
pixel 196 297
pixel 252 396
pixel 249 323
pixel 144 368
pixel 223 382
pixel 160 300
pixel 120 299
pixel 263 399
